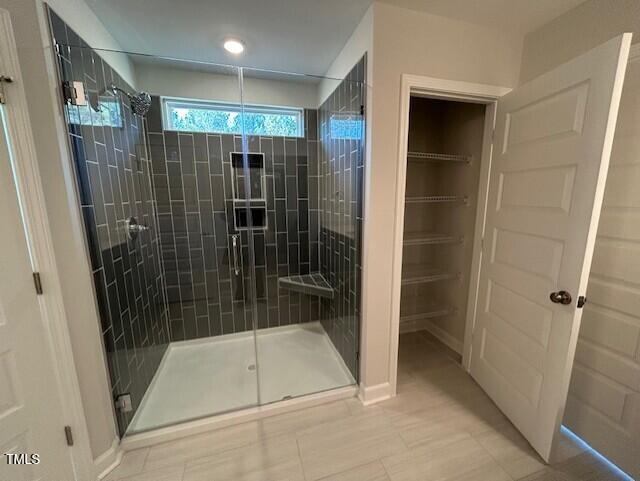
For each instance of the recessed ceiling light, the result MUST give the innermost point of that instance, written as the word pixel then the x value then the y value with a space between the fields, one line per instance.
pixel 234 46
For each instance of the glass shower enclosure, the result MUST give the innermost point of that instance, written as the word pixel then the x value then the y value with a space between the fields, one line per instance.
pixel 223 219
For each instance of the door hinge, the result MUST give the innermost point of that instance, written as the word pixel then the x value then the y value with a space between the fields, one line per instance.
pixel 73 93
pixel 123 403
pixel 4 80
pixel 68 434
pixel 37 282
pixel 362 110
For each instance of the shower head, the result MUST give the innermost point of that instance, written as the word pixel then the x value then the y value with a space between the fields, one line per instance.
pixel 139 102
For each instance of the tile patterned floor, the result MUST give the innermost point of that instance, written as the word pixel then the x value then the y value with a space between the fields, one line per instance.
pixel 441 426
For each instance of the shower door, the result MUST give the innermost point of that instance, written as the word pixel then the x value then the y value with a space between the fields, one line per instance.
pixel 199 176
pixel 168 257
pixel 304 149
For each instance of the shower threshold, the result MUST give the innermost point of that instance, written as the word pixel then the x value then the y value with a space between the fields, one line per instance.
pixel 205 377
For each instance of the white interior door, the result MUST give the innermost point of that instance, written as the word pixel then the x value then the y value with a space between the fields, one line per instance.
pixel 551 153
pixel 30 411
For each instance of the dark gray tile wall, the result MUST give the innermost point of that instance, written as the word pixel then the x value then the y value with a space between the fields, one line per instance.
pixel 114 183
pixel 341 201
pixel 192 178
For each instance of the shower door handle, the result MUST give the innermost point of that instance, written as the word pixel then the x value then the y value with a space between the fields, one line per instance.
pixel 236 244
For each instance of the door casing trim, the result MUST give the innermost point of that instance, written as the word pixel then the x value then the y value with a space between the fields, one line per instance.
pixel 447 90
pixel 37 227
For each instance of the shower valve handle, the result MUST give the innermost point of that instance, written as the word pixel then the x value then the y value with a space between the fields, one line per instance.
pixel 133 229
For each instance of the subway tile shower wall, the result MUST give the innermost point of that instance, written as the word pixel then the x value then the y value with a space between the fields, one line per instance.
pixel 114 183
pixel 192 178
pixel 341 162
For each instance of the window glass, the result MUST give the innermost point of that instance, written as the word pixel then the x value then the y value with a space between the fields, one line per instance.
pixel 193 116
pixel 107 114
pixel 346 126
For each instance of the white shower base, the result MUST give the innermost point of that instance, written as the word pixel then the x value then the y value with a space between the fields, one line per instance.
pixel 209 376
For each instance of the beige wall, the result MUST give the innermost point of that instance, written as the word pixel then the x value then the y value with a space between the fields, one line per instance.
pixel 78 15
pixel 360 43
pixel 71 259
pixel 406 41
pixel 169 81
pixel 586 26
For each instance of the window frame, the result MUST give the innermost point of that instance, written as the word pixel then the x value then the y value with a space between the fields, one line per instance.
pixel 168 104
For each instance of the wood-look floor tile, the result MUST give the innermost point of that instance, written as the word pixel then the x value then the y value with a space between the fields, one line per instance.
pixel 443 460
pixel 369 472
pixel 168 473
pixel 565 450
pixel 424 431
pixel 486 472
pixel 584 467
pixel 511 451
pixel 275 459
pixel 202 445
pixel 298 421
pixel 338 446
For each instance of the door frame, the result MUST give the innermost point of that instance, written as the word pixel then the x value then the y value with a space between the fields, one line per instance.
pixel 31 198
pixel 444 89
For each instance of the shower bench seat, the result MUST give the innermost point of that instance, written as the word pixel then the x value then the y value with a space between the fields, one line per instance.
pixel 314 284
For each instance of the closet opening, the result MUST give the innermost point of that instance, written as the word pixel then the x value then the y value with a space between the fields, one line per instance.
pixel 445 144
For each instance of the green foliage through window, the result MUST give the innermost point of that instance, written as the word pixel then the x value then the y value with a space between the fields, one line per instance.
pixel 108 114
pixel 227 118
pixel 346 126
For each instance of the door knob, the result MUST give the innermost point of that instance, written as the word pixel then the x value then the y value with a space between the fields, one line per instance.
pixel 560 297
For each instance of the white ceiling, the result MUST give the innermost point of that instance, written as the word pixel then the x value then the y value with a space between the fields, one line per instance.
pixel 301 36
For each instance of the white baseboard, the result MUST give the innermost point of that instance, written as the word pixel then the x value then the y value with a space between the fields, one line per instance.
pixel 109 460
pixel 374 394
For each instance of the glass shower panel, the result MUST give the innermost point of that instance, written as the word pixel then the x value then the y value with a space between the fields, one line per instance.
pixel 306 134
pixel 156 160
pixel 194 127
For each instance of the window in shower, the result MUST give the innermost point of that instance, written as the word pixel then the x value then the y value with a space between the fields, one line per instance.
pixel 104 113
pixel 346 126
pixel 226 118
